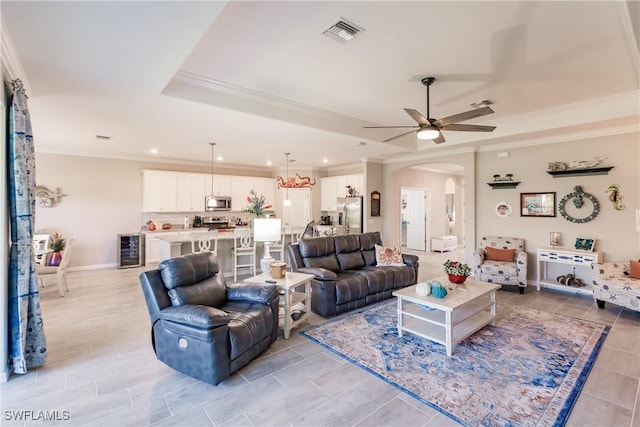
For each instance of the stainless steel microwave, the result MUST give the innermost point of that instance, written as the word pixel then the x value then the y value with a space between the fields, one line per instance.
pixel 217 203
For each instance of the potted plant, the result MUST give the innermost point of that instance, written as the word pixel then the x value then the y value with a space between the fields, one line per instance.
pixel 457 271
pixel 57 245
pixel 257 205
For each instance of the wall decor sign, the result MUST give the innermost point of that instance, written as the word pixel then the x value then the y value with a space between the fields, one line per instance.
pixel 292 182
pixel 578 198
pixel 538 204
pixel 375 203
pixel 583 244
pixel 503 209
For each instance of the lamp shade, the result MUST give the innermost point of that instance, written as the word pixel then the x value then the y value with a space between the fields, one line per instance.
pixel 428 132
pixel 267 229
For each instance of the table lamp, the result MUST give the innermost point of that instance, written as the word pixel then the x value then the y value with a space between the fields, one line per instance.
pixel 268 231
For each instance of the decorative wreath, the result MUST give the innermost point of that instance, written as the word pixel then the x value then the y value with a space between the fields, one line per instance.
pixel 578 195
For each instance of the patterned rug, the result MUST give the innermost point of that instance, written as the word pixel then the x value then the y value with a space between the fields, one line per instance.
pixel 526 371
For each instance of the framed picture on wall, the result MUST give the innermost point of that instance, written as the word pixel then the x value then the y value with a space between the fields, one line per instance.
pixel 538 204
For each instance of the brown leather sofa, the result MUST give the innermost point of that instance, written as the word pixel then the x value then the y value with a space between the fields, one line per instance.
pixel 346 273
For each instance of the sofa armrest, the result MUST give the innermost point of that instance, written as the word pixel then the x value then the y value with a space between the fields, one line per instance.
pixel 252 292
pixel 478 259
pixel 197 316
pixel 319 273
pixel 521 263
pixel 409 259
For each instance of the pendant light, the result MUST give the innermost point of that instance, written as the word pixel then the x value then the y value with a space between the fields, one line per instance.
pixel 286 201
pixel 210 200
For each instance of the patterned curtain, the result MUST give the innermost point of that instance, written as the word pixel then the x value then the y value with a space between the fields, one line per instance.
pixel 27 344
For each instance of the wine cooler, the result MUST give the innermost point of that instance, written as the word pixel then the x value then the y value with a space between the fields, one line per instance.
pixel 130 250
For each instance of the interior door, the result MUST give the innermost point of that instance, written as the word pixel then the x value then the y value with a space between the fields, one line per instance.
pixel 416 218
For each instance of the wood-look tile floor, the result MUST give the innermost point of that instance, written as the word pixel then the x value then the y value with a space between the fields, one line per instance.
pixel 101 370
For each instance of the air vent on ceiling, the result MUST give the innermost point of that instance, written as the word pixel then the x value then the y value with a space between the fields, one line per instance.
pixel 342 31
pixel 103 137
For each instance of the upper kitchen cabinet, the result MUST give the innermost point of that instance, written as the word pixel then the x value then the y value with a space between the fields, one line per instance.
pixel 159 191
pixel 222 185
pixel 242 186
pixel 191 189
pixel 333 187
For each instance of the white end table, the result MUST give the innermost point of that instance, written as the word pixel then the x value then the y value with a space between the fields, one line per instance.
pixel 291 297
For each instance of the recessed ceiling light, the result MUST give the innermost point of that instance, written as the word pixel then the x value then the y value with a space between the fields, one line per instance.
pixel 325 160
pixel 154 151
pixel 269 163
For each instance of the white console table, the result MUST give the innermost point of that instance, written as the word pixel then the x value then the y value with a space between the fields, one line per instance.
pixel 572 257
pixel 444 243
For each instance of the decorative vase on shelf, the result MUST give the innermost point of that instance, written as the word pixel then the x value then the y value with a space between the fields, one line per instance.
pixel 455 278
pixel 54 260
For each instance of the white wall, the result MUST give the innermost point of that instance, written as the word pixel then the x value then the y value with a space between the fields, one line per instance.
pixel 614 231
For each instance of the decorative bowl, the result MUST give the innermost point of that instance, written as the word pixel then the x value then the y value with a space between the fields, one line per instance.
pixel 454 278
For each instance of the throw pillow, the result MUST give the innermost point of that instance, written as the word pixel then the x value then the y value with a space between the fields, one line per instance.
pixel 494 254
pixel 634 269
pixel 388 256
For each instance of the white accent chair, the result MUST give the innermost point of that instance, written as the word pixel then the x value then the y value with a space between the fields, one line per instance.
pixel 60 271
pixel 41 247
pixel 244 252
pixel 502 272
pixel 614 284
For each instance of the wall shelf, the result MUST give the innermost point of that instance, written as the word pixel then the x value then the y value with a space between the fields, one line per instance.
pixel 576 172
pixel 503 184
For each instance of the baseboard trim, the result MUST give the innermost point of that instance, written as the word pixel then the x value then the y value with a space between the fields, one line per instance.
pixel 93 267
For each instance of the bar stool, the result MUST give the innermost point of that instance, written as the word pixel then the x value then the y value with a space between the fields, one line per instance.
pixel 278 247
pixel 206 242
pixel 244 251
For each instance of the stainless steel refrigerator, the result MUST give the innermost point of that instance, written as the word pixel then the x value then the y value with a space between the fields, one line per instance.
pixel 350 214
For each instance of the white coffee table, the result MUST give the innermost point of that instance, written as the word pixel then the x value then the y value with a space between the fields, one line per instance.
pixel 291 297
pixel 465 310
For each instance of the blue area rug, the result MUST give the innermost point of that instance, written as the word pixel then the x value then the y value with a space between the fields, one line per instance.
pixel 526 371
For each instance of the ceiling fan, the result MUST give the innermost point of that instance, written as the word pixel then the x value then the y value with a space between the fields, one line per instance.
pixel 429 128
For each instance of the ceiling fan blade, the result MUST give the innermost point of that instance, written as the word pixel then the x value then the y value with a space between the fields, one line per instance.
pixel 417 116
pixel 389 127
pixel 398 136
pixel 469 128
pixel 440 139
pixel 467 115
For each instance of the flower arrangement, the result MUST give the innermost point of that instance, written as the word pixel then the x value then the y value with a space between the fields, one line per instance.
pixel 57 243
pixel 457 268
pixel 257 204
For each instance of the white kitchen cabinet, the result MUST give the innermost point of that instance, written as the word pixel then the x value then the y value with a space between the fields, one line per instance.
pixel 158 191
pixel 221 185
pixel 152 246
pixel 190 192
pixel 299 213
pixel 332 187
pixel 328 195
pixel 242 186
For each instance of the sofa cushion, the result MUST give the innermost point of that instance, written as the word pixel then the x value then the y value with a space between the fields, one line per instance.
pixel 348 252
pixel 210 292
pixel 368 242
pixel 494 254
pixel 319 252
pixel 378 279
pixel 249 324
pixel 187 270
pixel 350 287
pixel 388 256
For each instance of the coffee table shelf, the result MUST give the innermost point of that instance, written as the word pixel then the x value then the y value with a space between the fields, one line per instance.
pixel 449 320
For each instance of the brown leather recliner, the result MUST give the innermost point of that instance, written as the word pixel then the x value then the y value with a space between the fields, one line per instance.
pixel 203 327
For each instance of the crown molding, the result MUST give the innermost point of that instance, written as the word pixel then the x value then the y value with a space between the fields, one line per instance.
pixel 11 61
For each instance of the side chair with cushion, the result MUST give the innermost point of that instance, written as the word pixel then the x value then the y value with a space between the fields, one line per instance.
pixel 501 260
pixel 617 283
pixel 60 271
pixel 203 327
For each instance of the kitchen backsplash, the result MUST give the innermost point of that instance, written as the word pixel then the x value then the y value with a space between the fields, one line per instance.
pixel 176 219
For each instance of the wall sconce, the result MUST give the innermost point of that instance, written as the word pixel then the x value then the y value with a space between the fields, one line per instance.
pixel 555 238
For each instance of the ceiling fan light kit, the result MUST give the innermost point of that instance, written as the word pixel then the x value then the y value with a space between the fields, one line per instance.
pixel 430 128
